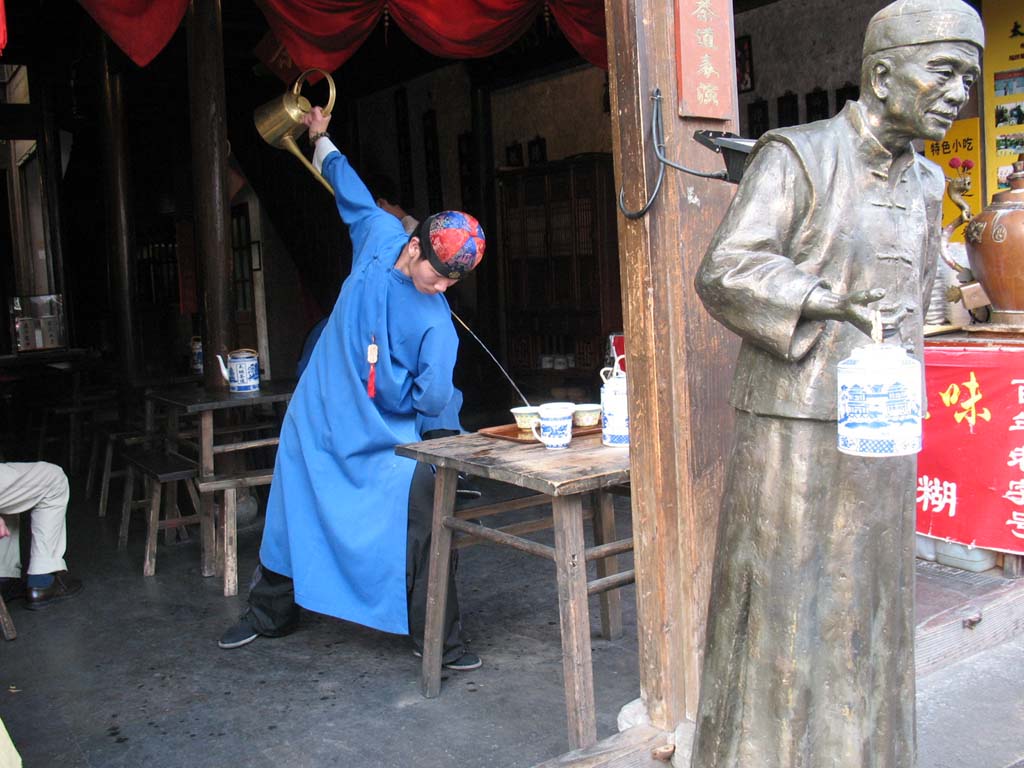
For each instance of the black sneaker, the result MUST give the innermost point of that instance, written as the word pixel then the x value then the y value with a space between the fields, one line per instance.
pixel 240 634
pixel 464 663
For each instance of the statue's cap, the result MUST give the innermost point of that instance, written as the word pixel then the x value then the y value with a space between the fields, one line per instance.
pixel 916 22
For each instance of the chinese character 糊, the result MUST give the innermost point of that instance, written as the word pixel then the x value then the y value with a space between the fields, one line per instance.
pixel 1017 521
pixel 703 11
pixel 705 37
pixel 969 412
pixel 936 495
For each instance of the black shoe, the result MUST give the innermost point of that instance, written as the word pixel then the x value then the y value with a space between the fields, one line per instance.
pixel 11 588
pixel 240 634
pixel 64 587
pixel 464 663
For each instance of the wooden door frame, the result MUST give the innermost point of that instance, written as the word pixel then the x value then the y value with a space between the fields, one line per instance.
pixel 679 359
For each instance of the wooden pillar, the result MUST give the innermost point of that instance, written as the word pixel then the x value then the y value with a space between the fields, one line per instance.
pixel 50 165
pixel 679 359
pixel 209 178
pixel 484 207
pixel 120 230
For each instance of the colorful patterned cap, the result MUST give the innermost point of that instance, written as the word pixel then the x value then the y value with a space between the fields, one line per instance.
pixel 916 22
pixel 453 242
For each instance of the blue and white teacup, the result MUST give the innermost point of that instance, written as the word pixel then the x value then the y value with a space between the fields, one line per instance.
pixel 555 428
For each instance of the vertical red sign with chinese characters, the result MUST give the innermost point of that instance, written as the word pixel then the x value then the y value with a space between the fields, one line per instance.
pixel 970 473
pixel 705 61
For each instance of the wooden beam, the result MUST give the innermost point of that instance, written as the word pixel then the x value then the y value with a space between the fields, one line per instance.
pixel 500 537
pixel 679 360
pixel 209 175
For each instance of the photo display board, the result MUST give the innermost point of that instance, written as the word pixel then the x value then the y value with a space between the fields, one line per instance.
pixel 1003 75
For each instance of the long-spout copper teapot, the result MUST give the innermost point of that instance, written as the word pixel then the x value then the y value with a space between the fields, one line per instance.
pixel 279 121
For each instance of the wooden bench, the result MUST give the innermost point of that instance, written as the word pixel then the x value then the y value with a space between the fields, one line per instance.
pixel 157 468
pixel 127 437
pixel 227 552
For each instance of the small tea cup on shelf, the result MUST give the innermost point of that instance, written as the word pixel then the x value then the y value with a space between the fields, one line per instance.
pixel 526 416
pixel 587 415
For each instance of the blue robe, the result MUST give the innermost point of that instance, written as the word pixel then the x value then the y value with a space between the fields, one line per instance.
pixel 337 514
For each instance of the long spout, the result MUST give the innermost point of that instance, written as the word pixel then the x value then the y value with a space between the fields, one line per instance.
pixel 223 368
pixel 288 142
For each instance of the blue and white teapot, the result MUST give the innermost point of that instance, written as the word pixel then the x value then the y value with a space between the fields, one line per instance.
pixel 614 405
pixel 242 372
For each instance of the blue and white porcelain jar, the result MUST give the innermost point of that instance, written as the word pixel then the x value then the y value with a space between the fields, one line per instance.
pixel 879 402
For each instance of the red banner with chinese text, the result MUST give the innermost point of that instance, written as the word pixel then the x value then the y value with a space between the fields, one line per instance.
pixel 970 473
pixel 705 59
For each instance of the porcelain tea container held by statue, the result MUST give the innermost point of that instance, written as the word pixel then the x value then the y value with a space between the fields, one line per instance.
pixel 879 402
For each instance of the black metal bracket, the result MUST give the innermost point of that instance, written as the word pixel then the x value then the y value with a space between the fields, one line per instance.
pixel 658 137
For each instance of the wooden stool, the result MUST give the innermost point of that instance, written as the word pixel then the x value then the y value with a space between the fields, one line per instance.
pixel 7 630
pixel 157 468
pixel 227 552
pixel 113 440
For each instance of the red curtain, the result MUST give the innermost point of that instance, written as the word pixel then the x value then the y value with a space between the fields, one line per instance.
pixel 141 28
pixel 325 33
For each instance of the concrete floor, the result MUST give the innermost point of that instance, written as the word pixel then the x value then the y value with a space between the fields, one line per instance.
pixel 129 674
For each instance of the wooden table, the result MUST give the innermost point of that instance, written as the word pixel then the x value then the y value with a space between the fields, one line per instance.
pixel 563 478
pixel 204 402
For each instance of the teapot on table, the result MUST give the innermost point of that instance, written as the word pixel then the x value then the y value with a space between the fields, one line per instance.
pixel 614 404
pixel 242 371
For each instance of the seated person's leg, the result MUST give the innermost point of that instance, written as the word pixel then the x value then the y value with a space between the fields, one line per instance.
pixel 42 490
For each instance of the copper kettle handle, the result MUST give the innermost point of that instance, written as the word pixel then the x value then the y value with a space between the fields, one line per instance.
pixel 297 88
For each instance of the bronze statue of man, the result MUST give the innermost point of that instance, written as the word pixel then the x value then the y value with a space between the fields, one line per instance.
pixel 809 657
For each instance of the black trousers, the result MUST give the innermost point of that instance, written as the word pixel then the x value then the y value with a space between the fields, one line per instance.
pixel 273 611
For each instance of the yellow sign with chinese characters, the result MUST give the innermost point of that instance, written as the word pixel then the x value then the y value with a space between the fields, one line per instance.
pixel 959 156
pixel 1003 97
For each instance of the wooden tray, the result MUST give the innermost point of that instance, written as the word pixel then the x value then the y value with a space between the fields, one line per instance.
pixel 517 435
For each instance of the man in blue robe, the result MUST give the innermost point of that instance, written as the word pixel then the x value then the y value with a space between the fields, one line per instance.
pixel 342 502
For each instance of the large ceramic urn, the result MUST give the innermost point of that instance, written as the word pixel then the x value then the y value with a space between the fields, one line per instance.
pixel 995 248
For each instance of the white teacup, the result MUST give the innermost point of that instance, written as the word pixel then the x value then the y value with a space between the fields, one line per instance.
pixel 555 428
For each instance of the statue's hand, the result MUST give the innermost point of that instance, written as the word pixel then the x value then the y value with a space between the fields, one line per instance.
pixel 823 304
